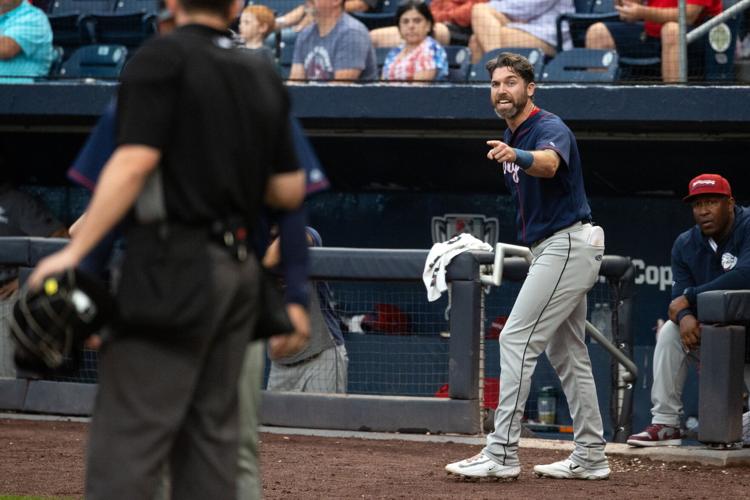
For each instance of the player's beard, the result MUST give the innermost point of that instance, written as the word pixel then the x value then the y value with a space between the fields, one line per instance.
pixel 516 107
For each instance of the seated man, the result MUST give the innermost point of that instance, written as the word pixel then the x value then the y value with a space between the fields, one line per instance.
pixel 335 47
pixel 518 23
pixel 650 29
pixel 712 255
pixel 301 16
pixel 25 42
pixel 322 365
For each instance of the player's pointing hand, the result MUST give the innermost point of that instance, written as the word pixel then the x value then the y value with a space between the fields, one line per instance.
pixel 500 152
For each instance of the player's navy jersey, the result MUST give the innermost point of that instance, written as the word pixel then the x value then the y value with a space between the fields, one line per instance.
pixel 546 205
pixel 697 268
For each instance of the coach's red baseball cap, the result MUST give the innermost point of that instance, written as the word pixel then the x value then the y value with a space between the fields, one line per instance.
pixel 708 184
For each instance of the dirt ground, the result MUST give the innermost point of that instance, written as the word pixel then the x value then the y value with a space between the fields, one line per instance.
pixel 45 458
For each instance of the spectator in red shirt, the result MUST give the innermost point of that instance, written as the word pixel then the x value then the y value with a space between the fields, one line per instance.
pixel 650 29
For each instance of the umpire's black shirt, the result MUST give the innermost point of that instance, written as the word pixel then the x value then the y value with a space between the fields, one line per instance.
pixel 218 115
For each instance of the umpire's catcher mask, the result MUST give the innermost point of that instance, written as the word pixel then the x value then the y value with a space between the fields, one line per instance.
pixel 49 325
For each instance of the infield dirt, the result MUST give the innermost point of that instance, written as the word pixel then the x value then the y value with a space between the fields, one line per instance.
pixel 46 458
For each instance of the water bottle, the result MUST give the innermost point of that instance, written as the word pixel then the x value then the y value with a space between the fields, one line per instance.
pixel 601 318
pixel 546 405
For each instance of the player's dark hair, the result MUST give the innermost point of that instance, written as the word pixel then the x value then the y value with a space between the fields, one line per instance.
pixel 514 62
pixel 214 6
pixel 420 7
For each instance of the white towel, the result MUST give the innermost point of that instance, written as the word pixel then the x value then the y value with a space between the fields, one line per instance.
pixel 440 256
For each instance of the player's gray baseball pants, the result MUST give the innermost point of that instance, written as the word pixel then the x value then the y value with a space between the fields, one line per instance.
pixel 549 315
pixel 327 372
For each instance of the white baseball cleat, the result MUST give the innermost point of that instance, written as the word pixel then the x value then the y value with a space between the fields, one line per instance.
pixel 481 465
pixel 567 469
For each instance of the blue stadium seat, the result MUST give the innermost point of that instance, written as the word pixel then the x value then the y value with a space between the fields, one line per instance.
pixel 459 63
pixel 131 23
pixel 65 19
pixel 285 60
pixel 384 15
pixel 478 72
pixel 58 55
pixel 587 13
pixel 95 61
pixel 582 65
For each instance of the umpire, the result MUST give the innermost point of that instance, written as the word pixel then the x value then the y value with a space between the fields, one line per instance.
pixel 212 123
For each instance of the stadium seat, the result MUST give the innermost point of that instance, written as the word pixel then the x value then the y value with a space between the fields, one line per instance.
pixel 65 19
pixel 95 61
pixel 131 23
pixel 478 72
pixel 285 60
pixel 582 65
pixel 58 55
pixel 459 63
pixel 587 13
pixel 384 15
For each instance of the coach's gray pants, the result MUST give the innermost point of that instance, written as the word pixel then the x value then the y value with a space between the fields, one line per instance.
pixel 670 371
pixel 549 315
pixel 175 400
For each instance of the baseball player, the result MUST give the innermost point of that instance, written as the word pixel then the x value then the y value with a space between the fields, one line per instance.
pixel 712 255
pixel 542 169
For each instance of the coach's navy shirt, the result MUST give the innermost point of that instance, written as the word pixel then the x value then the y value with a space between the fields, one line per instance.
pixel 546 205
pixel 697 268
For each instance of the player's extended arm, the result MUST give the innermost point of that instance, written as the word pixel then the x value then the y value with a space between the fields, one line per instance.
pixel 119 185
pixel 542 163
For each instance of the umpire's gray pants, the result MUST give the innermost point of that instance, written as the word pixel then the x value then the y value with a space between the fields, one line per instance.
pixel 175 400
pixel 549 315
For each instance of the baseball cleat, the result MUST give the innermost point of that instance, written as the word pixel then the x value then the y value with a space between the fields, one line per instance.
pixel 567 469
pixel 657 435
pixel 481 465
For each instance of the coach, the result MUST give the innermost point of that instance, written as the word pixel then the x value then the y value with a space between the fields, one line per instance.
pixel 712 255
pixel 211 122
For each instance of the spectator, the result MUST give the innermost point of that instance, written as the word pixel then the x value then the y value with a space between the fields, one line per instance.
pixel 518 23
pixel 322 365
pixel 712 255
pixel 256 22
pixel 25 42
pixel 651 30
pixel 419 57
pixel 301 16
pixel 335 47
pixel 451 24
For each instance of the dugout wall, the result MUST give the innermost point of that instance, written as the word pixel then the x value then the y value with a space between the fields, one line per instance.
pixel 462 359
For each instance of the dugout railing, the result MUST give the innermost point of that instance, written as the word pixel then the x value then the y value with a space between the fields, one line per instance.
pixel 469 357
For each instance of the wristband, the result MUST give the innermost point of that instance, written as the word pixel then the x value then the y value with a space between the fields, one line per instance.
pixel 524 159
pixel 683 313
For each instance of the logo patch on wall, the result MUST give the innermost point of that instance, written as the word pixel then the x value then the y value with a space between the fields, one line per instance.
pixel 728 261
pixel 478 225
